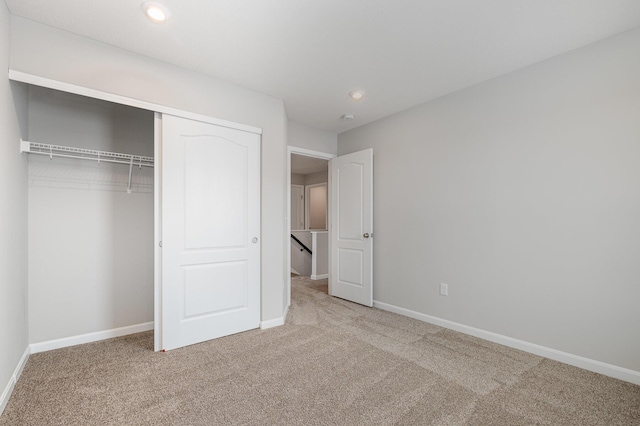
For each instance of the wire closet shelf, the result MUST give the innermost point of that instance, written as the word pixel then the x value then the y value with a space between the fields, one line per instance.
pixel 87 154
pixel 84 154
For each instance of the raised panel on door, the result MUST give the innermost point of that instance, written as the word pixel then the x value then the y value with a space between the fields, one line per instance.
pixel 216 190
pixel 211 230
pixel 351 194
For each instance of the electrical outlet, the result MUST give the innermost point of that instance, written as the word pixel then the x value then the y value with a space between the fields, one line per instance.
pixel 444 289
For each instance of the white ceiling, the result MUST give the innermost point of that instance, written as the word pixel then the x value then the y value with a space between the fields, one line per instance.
pixel 312 53
pixel 304 165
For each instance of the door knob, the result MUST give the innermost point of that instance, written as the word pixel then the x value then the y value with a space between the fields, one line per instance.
pixel 254 240
pixel 366 235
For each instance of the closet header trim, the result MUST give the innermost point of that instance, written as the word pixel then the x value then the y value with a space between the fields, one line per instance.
pixel 35 80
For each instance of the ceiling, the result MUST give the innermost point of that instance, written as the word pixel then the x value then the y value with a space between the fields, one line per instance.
pixel 304 165
pixel 312 53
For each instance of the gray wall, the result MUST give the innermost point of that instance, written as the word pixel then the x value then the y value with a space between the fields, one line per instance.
pixel 41 50
pixel 321 251
pixel 318 177
pixel 522 194
pixel 308 138
pixel 90 243
pixel 311 178
pixel 297 179
pixel 13 225
pixel 301 259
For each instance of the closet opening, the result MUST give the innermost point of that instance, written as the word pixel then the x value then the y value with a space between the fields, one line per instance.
pixel 90 217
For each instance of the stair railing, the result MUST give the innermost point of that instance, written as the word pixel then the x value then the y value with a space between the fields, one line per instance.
pixel 302 244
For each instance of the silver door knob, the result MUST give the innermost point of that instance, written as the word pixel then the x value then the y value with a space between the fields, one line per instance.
pixel 366 235
pixel 254 240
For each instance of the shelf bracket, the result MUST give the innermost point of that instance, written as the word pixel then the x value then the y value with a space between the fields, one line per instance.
pixel 130 172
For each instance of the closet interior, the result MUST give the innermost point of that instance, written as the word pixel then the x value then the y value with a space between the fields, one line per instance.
pixel 90 213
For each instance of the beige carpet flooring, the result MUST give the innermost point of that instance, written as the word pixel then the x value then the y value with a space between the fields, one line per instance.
pixel 333 363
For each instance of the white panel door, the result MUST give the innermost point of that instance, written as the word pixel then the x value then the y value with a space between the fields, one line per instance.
pixel 297 207
pixel 351 275
pixel 210 231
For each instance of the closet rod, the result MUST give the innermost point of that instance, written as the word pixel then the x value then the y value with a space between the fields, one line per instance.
pixel 85 154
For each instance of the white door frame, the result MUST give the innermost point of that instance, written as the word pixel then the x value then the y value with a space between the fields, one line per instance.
pixel 157 232
pixel 307 153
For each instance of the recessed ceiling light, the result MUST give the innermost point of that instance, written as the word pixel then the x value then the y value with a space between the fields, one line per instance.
pixel 155 12
pixel 348 117
pixel 356 95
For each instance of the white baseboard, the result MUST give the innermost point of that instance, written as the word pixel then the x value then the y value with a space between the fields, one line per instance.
pixel 89 337
pixel 295 272
pixel 274 322
pixel 319 277
pixel 556 355
pixel 271 323
pixel 8 390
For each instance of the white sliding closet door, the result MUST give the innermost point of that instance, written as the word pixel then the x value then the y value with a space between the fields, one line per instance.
pixel 210 231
